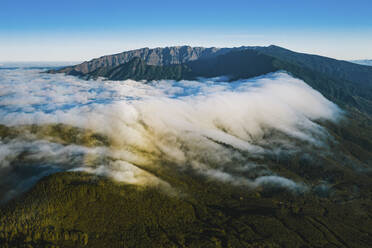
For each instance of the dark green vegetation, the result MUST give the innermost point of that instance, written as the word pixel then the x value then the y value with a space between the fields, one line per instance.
pixel 26 170
pixel 81 210
pixel 77 210
pixel 59 133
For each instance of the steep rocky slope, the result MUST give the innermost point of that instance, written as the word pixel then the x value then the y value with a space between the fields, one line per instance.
pixel 155 56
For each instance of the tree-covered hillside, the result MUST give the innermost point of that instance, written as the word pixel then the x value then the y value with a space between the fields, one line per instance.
pixel 83 210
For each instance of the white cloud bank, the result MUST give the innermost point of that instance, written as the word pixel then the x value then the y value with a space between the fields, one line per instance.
pixel 210 126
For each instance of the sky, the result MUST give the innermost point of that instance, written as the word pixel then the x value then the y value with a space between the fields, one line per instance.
pixel 79 30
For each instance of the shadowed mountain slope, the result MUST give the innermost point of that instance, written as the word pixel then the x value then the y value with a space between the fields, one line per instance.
pixel 338 69
pixel 345 83
pixel 235 65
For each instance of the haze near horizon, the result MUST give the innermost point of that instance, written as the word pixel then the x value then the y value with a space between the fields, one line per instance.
pixel 81 30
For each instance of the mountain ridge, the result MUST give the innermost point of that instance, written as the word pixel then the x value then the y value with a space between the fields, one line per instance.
pixel 345 83
pixel 174 55
pixel 154 56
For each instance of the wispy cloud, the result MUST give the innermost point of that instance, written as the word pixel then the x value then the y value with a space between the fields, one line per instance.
pixel 210 126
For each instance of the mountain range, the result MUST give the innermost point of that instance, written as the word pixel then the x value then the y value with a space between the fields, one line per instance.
pixel 343 82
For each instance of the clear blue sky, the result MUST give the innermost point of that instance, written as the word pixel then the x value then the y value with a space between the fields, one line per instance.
pixel 75 30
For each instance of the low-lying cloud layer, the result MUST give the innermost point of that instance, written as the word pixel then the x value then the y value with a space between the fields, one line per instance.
pixel 210 126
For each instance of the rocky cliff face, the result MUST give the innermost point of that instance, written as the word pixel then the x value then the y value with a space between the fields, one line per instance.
pixel 156 56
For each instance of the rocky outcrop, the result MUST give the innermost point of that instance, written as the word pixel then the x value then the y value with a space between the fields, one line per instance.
pixel 234 65
pixel 156 56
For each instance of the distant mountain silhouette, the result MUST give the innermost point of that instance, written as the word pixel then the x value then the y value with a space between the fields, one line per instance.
pixel 363 62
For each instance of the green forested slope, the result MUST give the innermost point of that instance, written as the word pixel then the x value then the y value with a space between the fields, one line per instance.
pixel 83 210
pixel 338 69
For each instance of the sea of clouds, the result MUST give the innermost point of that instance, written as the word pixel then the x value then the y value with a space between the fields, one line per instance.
pixel 210 126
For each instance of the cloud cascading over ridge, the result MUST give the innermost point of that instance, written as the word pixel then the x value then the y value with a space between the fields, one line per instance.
pixel 210 126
